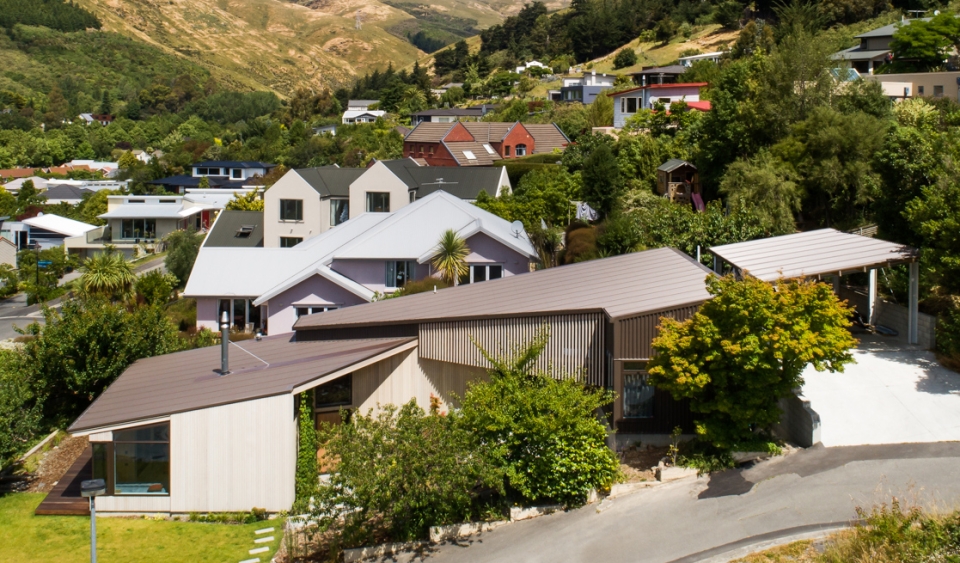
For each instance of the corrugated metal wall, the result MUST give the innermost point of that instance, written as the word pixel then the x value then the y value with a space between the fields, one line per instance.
pixel 636 334
pixel 576 345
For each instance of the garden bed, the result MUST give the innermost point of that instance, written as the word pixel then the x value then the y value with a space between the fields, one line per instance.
pixel 639 464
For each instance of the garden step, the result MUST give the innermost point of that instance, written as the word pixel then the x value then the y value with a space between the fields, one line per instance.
pixel 263 540
pixel 264 531
pixel 254 560
pixel 259 550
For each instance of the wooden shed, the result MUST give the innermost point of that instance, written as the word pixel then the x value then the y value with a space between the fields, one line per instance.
pixel 678 180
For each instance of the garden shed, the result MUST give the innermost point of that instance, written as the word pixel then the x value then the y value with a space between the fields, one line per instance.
pixel 678 180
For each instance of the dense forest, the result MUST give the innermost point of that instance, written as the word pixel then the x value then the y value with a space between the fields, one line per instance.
pixel 55 14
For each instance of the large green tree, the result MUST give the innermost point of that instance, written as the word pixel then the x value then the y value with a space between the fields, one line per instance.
pixel 182 249
pixel 768 187
pixel 600 182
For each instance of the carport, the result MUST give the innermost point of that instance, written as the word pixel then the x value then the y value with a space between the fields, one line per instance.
pixel 822 253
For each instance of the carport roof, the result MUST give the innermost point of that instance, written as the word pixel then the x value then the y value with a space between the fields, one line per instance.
pixel 813 253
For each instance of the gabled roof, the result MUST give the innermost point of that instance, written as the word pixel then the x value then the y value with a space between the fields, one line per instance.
pixel 234 164
pixel 330 180
pixel 58 224
pixel 621 286
pixel 462 182
pixel 887 30
pixel 546 137
pixel 488 131
pixel 462 151
pixel 428 132
pixel 673 164
pixel 228 230
pixel 184 381
pixel 450 112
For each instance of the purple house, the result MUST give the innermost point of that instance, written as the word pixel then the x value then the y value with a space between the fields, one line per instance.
pixel 270 288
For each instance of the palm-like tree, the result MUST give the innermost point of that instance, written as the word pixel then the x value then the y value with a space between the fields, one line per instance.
pixel 107 274
pixel 451 257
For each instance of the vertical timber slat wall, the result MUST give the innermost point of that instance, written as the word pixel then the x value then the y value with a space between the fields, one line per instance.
pixel 576 346
pixel 636 334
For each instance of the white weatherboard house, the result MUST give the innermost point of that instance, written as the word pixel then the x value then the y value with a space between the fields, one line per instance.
pixel 268 288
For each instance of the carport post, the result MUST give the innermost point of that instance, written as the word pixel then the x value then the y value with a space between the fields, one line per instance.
pixel 913 311
pixel 836 284
pixel 872 297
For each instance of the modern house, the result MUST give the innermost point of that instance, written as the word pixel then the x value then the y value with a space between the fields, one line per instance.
pixel 690 59
pixel 678 181
pixel 584 89
pixel 308 201
pixel 627 103
pixel 919 85
pixel 358 111
pixel 450 115
pixel 265 286
pixel 219 174
pixel 659 75
pixel 481 143
pixel 49 230
pixel 874 48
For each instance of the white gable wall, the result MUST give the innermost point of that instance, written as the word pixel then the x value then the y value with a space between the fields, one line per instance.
pixel 292 186
pixel 378 178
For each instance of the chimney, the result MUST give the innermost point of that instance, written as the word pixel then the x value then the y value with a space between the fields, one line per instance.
pixel 224 344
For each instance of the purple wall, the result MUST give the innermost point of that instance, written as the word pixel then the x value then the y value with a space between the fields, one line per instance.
pixel 207 313
pixel 486 250
pixel 314 291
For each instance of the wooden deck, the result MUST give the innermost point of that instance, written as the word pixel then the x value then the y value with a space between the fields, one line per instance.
pixel 65 499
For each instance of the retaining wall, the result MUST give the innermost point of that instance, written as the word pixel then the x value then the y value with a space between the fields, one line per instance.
pixel 799 423
pixel 896 317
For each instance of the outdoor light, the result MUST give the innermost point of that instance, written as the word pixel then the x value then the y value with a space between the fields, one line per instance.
pixel 92 488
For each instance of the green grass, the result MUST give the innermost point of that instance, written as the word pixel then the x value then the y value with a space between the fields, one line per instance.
pixel 183 313
pixel 66 539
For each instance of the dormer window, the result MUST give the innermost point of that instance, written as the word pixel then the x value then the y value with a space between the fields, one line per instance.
pixel 237 173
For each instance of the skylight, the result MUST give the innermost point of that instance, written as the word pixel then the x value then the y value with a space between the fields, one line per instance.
pixel 489 149
pixel 469 155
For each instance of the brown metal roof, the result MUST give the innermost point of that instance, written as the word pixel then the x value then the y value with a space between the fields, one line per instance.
pixel 186 381
pixel 428 132
pixel 627 285
pixel 813 253
pixel 483 158
pixel 546 137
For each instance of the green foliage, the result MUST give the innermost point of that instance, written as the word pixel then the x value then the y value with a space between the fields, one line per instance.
pixel 249 202
pixel 543 194
pixel 41 283
pixel 540 428
pixel 182 249
pixel 155 288
pixel 625 57
pixel 398 473
pixel 20 413
pixel 745 349
pixel 55 14
pixel 108 275
pixel 935 217
pixel 600 183
pixel 768 187
pixel 450 259
pixel 925 45
pixel 619 234
pixel 948 334
pixel 10 280
pixel 83 348
pixel 307 446
pixel 255 515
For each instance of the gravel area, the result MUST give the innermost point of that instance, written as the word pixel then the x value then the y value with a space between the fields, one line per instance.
pixel 55 463
pixel 638 464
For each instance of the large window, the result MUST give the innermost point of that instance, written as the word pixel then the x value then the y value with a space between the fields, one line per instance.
pixel 138 228
pixel 290 242
pixel 378 202
pixel 137 462
pixel 291 210
pixel 521 149
pixel 482 272
pixel 400 272
pixel 637 393
pixel 337 393
pixel 241 313
pixel 339 211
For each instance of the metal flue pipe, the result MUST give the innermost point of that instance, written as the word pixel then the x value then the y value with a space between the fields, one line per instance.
pixel 224 343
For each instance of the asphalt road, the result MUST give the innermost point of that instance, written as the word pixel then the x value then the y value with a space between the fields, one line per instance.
pixel 694 520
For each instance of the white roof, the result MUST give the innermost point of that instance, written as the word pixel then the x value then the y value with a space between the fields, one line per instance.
pixel 213 199
pixel 352 113
pixel 38 183
pixel 150 211
pixel 58 224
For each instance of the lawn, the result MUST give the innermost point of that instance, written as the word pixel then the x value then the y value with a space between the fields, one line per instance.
pixel 66 539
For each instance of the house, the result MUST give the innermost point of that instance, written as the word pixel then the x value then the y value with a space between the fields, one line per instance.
pixel 438 92
pixel 658 75
pixel 17 173
pixel 690 59
pixel 532 64
pixel 108 169
pixel 873 50
pixel 8 252
pixel 65 193
pixel 627 103
pixel 584 89
pixel 39 183
pixel 358 111
pixel 49 230
pixel 919 85
pixel 145 157
pixel 268 287
pixel 450 115
pixel 480 143
pixel 308 201
pixel 172 434
pixel 219 174
pixel 101 118
pixel 678 181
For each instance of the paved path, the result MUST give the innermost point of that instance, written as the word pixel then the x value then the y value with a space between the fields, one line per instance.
pixel 688 520
pixel 894 393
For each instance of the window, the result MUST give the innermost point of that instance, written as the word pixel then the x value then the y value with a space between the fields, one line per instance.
pixel 141 464
pixel 938 91
pixel 339 211
pixel 506 150
pixel 241 312
pixel 521 149
pixel 421 148
pixel 237 173
pixel 399 273
pixel 291 210
pixel 664 101
pixel 413 196
pixel 378 202
pixel 482 272
pixel 631 105
pixel 304 311
pixel 135 201
pixel 290 242
pixel 168 201
pixel 489 149
pixel 469 155
pixel 637 393
pixel 138 228
pixel 919 90
pixel 431 150
pixel 336 393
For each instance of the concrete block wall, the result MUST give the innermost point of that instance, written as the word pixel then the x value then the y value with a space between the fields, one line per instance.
pixel 799 423
pixel 896 317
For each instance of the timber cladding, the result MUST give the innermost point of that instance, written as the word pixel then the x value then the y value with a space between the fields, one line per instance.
pixel 635 334
pixel 576 346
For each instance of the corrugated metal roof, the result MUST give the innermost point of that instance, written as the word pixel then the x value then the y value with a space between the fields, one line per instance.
pixel 235 164
pixel 621 286
pixel 546 137
pixel 185 381
pixel 813 253
pixel 673 164
pixel 227 226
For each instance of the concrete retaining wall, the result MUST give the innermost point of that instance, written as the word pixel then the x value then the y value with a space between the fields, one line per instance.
pixel 896 317
pixel 799 423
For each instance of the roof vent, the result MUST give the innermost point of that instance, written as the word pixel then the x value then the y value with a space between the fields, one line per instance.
pixel 245 230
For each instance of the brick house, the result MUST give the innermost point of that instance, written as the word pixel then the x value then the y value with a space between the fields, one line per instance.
pixel 480 143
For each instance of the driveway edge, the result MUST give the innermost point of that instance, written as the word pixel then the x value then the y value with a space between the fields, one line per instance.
pixel 747 546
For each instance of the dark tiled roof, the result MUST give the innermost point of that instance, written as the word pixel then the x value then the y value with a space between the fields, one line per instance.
pixel 235 164
pixel 186 381
pixel 465 183
pixel 226 230
pixel 66 191
pixel 193 182
pixel 621 286
pixel 489 131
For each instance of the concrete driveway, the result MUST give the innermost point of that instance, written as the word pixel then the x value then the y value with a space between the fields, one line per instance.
pixel 895 393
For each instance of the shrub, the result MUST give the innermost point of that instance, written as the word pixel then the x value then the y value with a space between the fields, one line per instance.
pixel 306 481
pixel 581 243
pixel 542 431
pixel 625 57
pixel 182 250
pixel 948 336
pixel 619 234
pixel 10 280
pixel 155 287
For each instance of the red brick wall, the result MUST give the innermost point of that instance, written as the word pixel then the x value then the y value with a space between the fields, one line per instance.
pixel 517 136
pixel 458 133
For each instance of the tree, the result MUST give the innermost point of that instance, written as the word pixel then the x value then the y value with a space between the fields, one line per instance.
pixel 108 275
pixel 924 45
pixel 204 183
pixel 155 287
pixel 600 112
pixel 128 161
pixel 182 249
pixel 625 57
pixel 600 180
pixel 28 196
pixel 106 103
pixel 745 349
pixel 450 259
pixel 540 428
pixel 250 201
pixel 935 217
pixel 768 187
